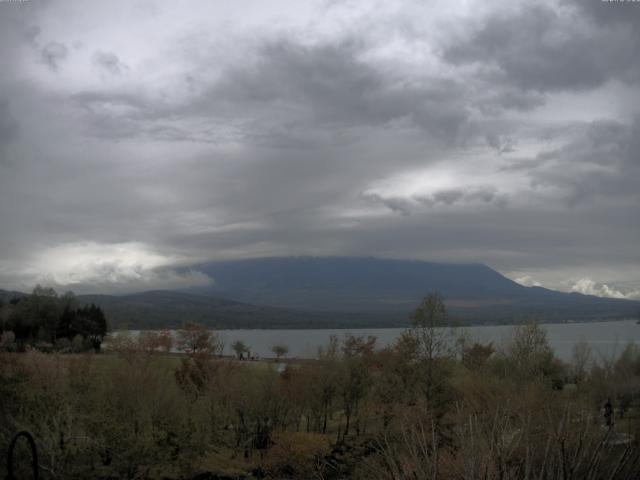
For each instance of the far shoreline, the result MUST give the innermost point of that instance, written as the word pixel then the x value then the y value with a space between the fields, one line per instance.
pixel 390 327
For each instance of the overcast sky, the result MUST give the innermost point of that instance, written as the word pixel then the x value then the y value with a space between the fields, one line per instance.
pixel 140 136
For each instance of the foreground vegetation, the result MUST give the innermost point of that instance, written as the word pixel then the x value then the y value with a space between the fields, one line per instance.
pixel 433 405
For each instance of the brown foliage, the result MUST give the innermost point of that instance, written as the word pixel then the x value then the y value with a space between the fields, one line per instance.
pixel 297 455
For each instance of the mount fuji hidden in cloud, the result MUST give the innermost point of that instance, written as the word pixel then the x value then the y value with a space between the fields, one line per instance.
pixel 334 292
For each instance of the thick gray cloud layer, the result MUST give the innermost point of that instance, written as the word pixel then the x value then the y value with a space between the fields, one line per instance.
pixel 141 136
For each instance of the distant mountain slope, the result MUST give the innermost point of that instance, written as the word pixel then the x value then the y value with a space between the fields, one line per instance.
pixel 7 295
pixel 169 309
pixel 363 284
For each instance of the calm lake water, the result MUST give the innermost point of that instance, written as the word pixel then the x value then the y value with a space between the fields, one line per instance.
pixel 606 338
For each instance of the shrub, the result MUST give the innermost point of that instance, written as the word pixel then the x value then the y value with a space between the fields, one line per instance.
pixel 297 455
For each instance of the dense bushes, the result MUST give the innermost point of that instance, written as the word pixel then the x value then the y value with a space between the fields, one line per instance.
pixel 462 410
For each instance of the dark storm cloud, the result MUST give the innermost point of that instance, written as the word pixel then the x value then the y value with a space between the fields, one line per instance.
pixel 602 161
pixel 402 206
pixel 511 139
pixel 119 114
pixel 611 13
pixel 549 47
pixel 290 95
pixel 446 197
pixel 8 124
pixel 496 99
pixel 53 54
pixel 500 144
pixel 31 34
pixel 109 62
pixel 331 86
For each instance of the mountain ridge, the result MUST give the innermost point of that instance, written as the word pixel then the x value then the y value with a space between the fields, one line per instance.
pixel 369 284
pixel 346 292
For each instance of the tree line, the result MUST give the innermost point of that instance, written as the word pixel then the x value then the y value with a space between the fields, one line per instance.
pixel 49 321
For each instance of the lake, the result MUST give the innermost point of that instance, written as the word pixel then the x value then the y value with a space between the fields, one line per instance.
pixel 606 338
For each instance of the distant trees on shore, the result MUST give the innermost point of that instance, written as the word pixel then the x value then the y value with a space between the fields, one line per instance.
pixel 240 348
pixel 51 322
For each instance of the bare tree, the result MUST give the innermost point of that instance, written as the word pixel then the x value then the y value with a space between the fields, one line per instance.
pixel 195 338
pixel 581 357
pixel 280 351
pixel 434 341
pixel 430 326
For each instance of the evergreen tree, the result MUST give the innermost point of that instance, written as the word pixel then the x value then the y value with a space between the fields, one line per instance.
pixel 67 324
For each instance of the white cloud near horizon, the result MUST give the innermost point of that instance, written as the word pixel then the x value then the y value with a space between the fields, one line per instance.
pixel 98 268
pixel 587 286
